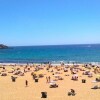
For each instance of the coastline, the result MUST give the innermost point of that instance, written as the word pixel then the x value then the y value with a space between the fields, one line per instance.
pixel 52 63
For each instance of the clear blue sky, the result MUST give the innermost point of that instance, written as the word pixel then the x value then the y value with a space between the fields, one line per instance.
pixel 48 22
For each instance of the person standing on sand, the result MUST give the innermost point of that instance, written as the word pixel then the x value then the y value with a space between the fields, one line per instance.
pixel 26 83
pixel 49 79
pixel 46 79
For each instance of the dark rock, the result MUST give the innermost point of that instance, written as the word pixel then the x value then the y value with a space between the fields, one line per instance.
pixel 3 46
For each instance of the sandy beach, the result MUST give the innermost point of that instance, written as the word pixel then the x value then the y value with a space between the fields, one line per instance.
pixel 19 91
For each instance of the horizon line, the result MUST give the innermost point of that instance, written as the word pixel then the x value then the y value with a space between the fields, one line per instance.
pixel 57 44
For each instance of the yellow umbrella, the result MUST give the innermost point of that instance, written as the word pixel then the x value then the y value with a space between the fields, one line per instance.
pixel 87 70
pixel 39 72
pixel 83 68
pixel 98 75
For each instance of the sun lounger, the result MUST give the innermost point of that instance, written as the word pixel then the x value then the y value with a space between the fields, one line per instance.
pixel 67 75
pixel 4 74
pixel 53 85
pixel 96 87
pixel 60 78
pixel 41 75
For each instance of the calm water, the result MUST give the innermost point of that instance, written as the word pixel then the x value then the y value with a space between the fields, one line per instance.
pixel 77 53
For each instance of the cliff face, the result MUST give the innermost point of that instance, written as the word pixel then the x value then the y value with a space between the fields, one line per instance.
pixel 3 46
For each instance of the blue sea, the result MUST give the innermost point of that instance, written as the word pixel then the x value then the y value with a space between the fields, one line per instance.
pixel 42 54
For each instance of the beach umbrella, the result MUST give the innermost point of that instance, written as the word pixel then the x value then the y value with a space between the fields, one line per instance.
pixel 37 72
pixel 52 83
pixel 94 81
pixel 87 70
pixel 98 75
pixel 75 75
pixel 83 68
pixel 95 84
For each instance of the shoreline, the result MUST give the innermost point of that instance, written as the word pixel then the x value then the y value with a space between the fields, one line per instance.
pixel 54 64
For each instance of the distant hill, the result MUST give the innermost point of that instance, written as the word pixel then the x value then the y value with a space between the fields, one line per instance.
pixel 3 46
